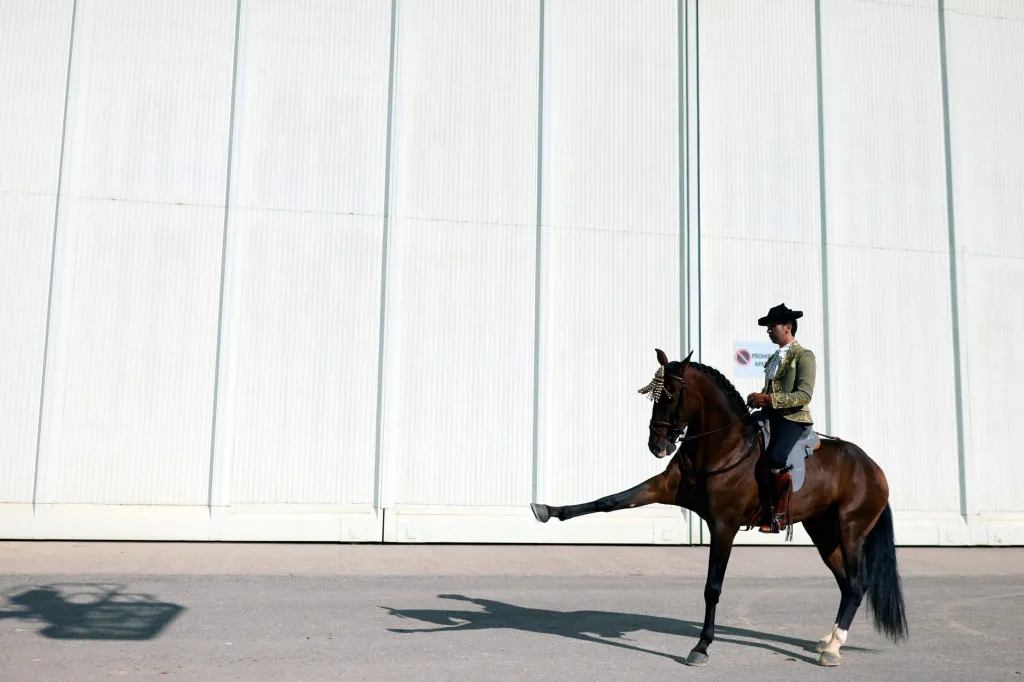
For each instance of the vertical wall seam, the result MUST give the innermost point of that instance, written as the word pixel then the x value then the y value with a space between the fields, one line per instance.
pixel 385 239
pixel 684 179
pixel 685 307
pixel 218 357
pixel 538 317
pixel 823 221
pixel 697 196
pixel 53 254
pixel 953 274
pixel 693 209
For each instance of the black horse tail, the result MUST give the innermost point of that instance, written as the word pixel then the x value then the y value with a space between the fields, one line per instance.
pixel 883 587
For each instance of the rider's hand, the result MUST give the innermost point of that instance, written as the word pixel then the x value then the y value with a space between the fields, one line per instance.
pixel 762 399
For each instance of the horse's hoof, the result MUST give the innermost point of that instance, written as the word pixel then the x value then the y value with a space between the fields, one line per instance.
pixel 821 645
pixel 828 659
pixel 696 659
pixel 540 512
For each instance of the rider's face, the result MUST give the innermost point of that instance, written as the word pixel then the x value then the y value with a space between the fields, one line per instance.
pixel 776 332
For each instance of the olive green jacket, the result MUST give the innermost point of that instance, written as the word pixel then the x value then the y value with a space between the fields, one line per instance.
pixel 793 385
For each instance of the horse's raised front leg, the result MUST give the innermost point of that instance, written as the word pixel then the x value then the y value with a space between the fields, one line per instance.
pixel 721 547
pixel 660 489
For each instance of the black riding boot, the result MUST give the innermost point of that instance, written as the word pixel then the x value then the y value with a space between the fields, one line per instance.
pixel 780 504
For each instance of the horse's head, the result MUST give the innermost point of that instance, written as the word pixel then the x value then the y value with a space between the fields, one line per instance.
pixel 673 406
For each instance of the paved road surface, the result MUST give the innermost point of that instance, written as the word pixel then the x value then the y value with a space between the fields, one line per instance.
pixel 80 612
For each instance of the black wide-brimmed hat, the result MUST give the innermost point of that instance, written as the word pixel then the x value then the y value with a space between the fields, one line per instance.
pixel 780 314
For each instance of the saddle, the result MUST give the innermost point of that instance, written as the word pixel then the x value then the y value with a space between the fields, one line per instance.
pixel 800 451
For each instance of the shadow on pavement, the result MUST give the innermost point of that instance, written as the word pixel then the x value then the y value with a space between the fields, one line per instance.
pixel 86 611
pixel 601 627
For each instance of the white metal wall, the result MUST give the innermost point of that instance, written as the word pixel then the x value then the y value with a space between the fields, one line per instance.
pixel 391 270
pixel 296 407
pixel 33 71
pixel 609 251
pixel 458 356
pixel 986 85
pixel 888 233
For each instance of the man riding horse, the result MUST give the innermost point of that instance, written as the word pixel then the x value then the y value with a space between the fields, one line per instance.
pixel 702 423
pixel 787 391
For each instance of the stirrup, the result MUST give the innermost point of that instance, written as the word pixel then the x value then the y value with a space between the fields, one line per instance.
pixel 774 525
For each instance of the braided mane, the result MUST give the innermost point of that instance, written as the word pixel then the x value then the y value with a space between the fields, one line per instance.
pixel 732 396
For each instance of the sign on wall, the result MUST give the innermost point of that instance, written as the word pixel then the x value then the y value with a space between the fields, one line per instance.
pixel 749 358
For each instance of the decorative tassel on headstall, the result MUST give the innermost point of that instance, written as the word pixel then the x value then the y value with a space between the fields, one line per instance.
pixel 656 387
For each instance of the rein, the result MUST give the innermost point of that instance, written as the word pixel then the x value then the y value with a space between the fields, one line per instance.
pixel 687 439
pixel 750 450
pixel 704 473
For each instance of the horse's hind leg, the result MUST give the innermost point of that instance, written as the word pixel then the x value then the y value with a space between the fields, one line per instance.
pixel 835 562
pixel 660 489
pixel 854 527
pixel 824 532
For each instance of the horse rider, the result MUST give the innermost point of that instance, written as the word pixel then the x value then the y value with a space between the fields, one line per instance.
pixel 788 387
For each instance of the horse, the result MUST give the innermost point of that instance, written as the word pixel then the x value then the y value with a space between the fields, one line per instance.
pixel 699 418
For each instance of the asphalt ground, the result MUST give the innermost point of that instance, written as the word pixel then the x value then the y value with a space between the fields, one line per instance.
pixel 151 611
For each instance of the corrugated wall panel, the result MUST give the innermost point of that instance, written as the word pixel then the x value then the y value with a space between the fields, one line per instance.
pixel 986 85
pixel 888 241
pixel 884 156
pixel 26 232
pixel 34 41
pixel 312 106
pixel 306 345
pixel 611 219
pixel 759 200
pixel 875 316
pixel 128 396
pixel 152 91
pixel 459 340
pixel 996 312
pixel 137 398
pixel 305 252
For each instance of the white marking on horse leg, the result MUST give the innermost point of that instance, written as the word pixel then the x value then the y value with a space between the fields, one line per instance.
pixel 830 656
pixel 838 640
pixel 824 641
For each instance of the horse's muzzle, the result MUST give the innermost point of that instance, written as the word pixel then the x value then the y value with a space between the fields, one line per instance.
pixel 662 448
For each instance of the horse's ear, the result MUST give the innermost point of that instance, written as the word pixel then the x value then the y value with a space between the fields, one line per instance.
pixel 662 358
pixel 686 361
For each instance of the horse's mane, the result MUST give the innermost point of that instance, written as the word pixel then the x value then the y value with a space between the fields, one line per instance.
pixel 732 397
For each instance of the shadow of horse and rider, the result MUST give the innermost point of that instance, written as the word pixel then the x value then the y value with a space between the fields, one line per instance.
pixel 89 611
pixel 599 627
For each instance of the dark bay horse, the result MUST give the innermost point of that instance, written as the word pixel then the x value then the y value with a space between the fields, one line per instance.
pixel 843 503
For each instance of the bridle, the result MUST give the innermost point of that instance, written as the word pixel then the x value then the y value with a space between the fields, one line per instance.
pixel 674 434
